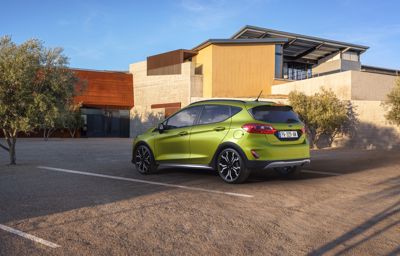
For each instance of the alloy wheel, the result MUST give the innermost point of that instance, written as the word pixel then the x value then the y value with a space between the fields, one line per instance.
pixel 143 159
pixel 229 165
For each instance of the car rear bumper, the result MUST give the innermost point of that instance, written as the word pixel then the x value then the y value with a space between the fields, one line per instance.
pixel 256 164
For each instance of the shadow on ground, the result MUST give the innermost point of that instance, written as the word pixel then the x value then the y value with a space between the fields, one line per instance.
pixel 371 136
pixel 349 160
pixel 390 215
pixel 31 192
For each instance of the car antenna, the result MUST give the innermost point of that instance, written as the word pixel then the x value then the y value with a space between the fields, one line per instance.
pixel 258 96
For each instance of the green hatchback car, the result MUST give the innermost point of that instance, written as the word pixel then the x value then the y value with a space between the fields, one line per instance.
pixel 230 136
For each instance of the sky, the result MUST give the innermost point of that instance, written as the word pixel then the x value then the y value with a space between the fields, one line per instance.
pixel 109 35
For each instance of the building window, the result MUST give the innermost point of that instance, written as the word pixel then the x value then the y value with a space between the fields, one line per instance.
pixel 353 56
pixel 278 60
pixel 297 71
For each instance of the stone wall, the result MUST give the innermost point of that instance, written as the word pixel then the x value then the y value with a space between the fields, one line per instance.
pixel 159 89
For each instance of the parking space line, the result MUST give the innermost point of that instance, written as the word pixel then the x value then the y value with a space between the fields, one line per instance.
pixel 144 181
pixel 320 172
pixel 28 236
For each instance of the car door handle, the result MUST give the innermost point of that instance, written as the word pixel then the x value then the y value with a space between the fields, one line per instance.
pixel 183 133
pixel 219 128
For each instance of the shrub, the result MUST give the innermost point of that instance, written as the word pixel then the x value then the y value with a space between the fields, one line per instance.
pixel 324 115
pixel 392 104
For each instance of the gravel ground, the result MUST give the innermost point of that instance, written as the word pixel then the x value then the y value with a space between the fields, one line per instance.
pixel 351 206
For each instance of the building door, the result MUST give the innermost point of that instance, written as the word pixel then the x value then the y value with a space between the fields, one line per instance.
pixel 95 125
pixel 106 122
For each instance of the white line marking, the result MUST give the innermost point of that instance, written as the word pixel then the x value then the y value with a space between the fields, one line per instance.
pixel 28 236
pixel 324 173
pixel 143 181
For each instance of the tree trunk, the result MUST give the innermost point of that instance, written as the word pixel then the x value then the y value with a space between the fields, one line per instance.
pixel 51 131
pixel 11 141
pixel 44 134
pixel 72 132
pixel 13 158
pixel 47 133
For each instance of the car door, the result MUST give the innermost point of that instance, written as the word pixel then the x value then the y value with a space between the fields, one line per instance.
pixel 211 128
pixel 172 144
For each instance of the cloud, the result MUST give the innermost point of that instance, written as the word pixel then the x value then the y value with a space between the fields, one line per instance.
pixel 372 36
pixel 210 14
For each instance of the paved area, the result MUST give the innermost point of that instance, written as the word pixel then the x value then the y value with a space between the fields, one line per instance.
pixel 83 197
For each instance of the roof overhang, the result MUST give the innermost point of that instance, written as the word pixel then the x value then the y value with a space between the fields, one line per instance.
pixel 241 41
pixel 299 47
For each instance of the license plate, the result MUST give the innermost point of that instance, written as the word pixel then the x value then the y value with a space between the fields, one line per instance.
pixel 288 134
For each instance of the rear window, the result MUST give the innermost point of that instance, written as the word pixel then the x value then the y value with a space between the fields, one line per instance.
pixel 275 114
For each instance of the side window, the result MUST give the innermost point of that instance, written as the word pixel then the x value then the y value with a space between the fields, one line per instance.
pixel 184 118
pixel 235 110
pixel 214 114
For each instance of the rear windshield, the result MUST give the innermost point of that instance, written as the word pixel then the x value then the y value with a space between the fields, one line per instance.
pixel 275 114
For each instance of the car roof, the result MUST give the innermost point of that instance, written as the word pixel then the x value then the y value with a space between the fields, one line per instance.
pixel 234 102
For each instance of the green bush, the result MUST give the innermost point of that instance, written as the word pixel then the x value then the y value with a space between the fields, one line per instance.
pixel 392 104
pixel 324 115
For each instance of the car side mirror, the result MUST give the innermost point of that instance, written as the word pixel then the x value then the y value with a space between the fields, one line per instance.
pixel 161 128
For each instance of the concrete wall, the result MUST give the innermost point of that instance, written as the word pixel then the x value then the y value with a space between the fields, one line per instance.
pixel 371 86
pixel 366 92
pixel 196 89
pixel 336 65
pixel 340 83
pixel 372 129
pixel 348 85
pixel 162 89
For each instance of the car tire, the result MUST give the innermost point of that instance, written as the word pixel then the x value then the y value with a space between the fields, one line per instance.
pixel 231 166
pixel 290 172
pixel 144 160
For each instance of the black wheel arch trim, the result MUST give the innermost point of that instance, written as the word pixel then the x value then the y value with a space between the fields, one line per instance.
pixel 139 143
pixel 224 145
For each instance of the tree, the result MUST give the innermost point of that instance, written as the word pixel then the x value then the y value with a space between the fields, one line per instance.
pixel 324 114
pixel 392 104
pixel 35 84
pixel 71 119
pixel 49 120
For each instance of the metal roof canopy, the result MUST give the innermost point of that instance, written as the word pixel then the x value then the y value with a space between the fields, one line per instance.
pixel 275 40
pixel 300 47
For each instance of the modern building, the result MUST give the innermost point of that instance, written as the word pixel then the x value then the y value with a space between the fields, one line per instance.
pixel 253 60
pixel 106 102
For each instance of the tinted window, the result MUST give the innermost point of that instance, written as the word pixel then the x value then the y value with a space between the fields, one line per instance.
pixel 275 114
pixel 278 61
pixel 184 118
pixel 214 114
pixel 235 110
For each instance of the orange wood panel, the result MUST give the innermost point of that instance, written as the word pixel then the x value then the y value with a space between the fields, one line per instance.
pixel 106 89
pixel 167 105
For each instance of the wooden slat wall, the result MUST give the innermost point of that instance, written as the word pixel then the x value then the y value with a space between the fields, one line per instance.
pixel 112 89
pixel 242 70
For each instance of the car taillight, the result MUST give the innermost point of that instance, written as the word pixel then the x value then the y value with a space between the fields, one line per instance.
pixel 259 128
